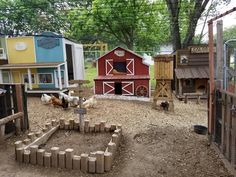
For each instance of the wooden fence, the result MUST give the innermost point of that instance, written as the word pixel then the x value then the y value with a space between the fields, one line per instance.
pixel 13 110
pixel 225 125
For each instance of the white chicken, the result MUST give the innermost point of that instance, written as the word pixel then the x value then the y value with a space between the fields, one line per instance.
pixel 46 99
pixel 73 100
pixel 90 103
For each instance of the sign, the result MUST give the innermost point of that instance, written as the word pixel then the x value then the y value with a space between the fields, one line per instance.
pixel 48 42
pixel 199 49
pixel 20 46
pixel 80 111
pixel 119 53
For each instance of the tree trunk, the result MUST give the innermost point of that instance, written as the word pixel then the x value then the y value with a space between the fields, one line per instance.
pixel 194 17
pixel 173 8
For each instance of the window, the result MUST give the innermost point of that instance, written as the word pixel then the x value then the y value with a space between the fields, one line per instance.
pixel 189 83
pixel 26 79
pixel 45 78
pixel 6 77
pixel 120 66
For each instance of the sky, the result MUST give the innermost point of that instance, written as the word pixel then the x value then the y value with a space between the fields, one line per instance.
pixel 228 20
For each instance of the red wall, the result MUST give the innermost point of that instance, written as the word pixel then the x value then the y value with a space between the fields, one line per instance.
pixel 139 67
pixel 99 85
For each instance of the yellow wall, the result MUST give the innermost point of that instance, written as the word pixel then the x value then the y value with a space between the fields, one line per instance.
pixel 21 56
pixel 17 76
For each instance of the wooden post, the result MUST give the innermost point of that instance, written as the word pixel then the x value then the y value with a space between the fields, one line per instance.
pixel 54 152
pixel 69 157
pixel 86 126
pixel 19 154
pixel 71 122
pixel 180 87
pixel 92 164
pixel 26 156
pixel 81 111
pixel 84 162
pixel 47 159
pixel 76 162
pixel 102 126
pixel 100 162
pixel 40 154
pixel 107 161
pixel 219 46
pixel 61 159
pixel 33 154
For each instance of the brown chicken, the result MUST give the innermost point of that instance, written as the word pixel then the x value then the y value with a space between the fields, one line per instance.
pixel 57 102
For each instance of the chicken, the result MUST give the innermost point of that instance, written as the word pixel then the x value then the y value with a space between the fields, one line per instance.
pixel 90 103
pixel 165 105
pixel 59 102
pixel 46 99
pixel 73 100
pixel 115 72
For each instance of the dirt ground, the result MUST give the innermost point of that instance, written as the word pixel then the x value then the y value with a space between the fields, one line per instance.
pixel 154 144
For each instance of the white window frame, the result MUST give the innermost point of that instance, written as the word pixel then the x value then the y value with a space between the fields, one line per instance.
pixel 9 77
pixel 3 55
pixel 56 78
pixel 23 81
pixel 45 83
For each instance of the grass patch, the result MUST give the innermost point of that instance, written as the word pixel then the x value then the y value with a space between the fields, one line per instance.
pixel 90 73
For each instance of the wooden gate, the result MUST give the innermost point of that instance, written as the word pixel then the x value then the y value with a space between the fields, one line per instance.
pixel 12 102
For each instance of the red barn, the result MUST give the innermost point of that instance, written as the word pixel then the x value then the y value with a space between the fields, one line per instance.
pixel 122 72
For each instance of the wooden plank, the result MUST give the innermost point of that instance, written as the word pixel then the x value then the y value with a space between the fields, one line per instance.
pixel 228 125
pixel 223 123
pixel 11 117
pixel 44 138
pixel 233 135
pixel 19 100
pixel 79 82
pixel 2 132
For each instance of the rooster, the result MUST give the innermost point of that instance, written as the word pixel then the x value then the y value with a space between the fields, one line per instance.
pixel 90 103
pixel 59 102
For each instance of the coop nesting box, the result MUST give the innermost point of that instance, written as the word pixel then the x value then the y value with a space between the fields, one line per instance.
pixel 163 67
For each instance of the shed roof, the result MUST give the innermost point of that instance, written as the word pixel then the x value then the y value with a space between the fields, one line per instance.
pixel 192 73
pixel 31 65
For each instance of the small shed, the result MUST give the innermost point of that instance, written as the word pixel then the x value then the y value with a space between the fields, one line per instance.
pixel 122 72
pixel 191 70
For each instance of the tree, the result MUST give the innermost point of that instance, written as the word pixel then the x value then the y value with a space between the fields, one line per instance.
pixel 30 16
pixel 195 9
pixel 131 23
pixel 192 11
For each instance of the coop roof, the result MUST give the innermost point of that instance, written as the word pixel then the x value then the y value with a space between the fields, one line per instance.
pixel 192 73
pixel 130 51
pixel 122 77
pixel 31 65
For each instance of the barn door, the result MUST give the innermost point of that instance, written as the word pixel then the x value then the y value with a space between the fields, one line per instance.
pixel 108 88
pixel 128 88
pixel 130 66
pixel 109 66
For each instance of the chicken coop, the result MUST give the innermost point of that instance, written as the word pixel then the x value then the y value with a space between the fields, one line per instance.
pixel 122 72
pixel 163 74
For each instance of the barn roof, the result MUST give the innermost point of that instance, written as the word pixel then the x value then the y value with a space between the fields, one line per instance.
pixel 192 73
pixel 130 51
pixel 122 77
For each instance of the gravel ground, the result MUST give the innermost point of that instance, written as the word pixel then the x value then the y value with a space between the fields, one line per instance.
pixel 155 143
